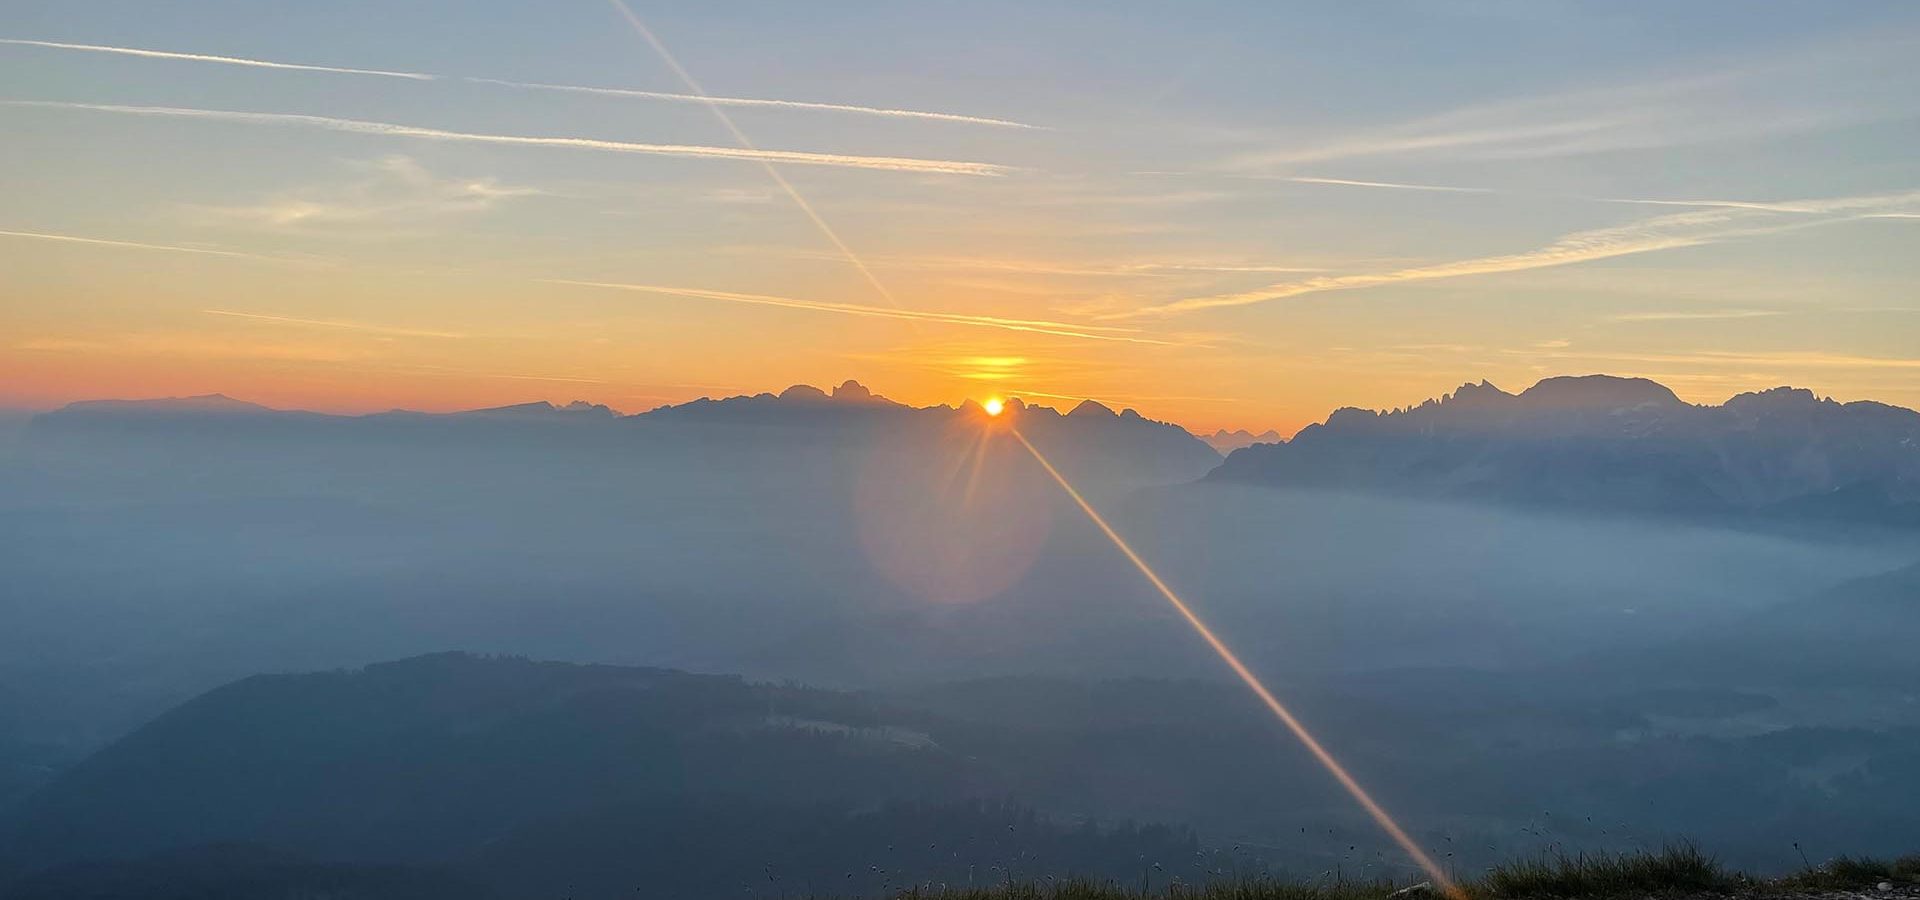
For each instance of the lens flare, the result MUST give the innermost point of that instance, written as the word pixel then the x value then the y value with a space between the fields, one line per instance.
pixel 1320 753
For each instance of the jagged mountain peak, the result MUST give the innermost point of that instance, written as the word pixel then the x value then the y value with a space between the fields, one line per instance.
pixel 1092 409
pixel 1600 441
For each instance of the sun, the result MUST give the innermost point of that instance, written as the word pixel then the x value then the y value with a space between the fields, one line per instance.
pixel 994 406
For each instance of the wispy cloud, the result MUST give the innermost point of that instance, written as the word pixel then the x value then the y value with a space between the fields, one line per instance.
pixel 386 129
pixel 758 102
pixel 1136 269
pixel 394 189
pixel 334 324
pixel 1689 229
pixel 1705 314
pixel 1394 185
pixel 479 373
pixel 1060 329
pixel 765 103
pixel 1822 85
pixel 1782 359
pixel 133 245
pixel 200 346
pixel 223 60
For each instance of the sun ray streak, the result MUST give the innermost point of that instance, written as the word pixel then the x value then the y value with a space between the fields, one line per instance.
pixel 1326 759
pixel 973 475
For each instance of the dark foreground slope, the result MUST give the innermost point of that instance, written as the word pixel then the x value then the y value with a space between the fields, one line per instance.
pixel 541 780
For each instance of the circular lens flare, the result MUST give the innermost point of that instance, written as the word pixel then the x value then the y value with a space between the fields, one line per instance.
pixel 994 406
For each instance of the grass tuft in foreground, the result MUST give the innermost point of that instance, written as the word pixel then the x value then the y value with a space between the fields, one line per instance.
pixel 1853 872
pixel 1676 870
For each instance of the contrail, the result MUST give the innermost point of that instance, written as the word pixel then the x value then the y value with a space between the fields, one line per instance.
pixel 746 144
pixel 850 108
pixel 388 129
pixel 132 245
pixel 1035 326
pixel 225 60
pixel 757 101
pixel 1395 185
pixel 1253 683
pixel 329 323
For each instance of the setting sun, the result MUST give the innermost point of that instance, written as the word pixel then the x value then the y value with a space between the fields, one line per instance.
pixel 994 406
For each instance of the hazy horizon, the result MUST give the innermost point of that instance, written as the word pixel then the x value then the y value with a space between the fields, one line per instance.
pixel 1329 448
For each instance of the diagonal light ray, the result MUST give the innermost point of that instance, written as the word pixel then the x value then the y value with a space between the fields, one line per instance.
pixel 1320 753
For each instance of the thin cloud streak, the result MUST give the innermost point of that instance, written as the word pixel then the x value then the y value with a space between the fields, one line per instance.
pixel 1694 316
pixel 758 102
pixel 387 129
pixel 1060 329
pixel 1787 358
pixel 1690 229
pixel 536 86
pixel 1348 182
pixel 328 323
pixel 223 60
pixel 133 245
pixel 1148 269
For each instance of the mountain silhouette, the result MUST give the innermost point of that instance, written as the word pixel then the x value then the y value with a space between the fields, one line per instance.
pixel 1600 442
pixel 537 780
pixel 1225 441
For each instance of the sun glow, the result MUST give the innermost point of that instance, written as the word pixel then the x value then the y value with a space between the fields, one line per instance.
pixel 994 406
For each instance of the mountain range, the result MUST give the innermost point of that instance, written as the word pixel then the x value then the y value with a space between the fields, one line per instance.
pixel 1602 443
pixel 1593 443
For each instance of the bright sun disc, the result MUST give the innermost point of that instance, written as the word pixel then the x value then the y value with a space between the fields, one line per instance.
pixel 994 406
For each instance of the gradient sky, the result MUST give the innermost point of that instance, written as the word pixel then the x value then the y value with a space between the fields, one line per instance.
pixel 1223 214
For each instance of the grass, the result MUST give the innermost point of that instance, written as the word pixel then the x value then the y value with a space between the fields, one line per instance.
pixel 1852 872
pixel 1676 870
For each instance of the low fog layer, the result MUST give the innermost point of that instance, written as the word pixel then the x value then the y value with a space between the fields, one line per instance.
pixel 154 551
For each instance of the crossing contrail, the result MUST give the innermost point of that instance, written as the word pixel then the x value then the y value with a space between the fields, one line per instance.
pixel 741 138
pixel 758 102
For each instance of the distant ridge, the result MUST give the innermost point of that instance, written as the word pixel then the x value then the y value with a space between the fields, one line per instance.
pixel 1226 441
pixel 1112 448
pixel 201 404
pixel 1605 442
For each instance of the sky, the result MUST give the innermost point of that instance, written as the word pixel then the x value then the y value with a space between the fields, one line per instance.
pixel 1235 215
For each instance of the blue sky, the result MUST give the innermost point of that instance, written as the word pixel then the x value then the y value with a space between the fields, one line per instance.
pixel 1224 214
